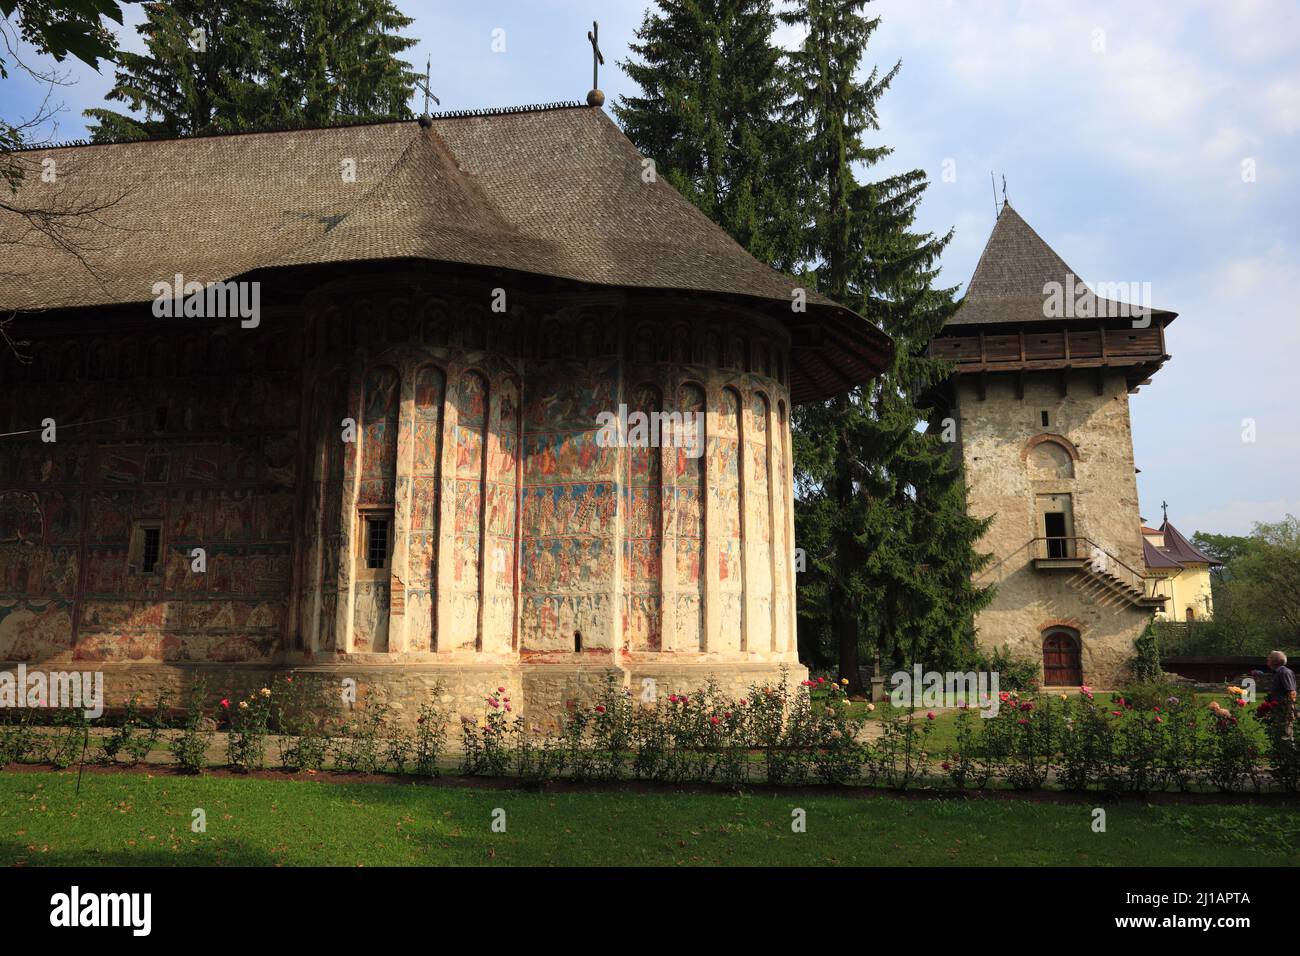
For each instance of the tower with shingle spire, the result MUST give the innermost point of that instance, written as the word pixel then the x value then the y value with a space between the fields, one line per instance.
pixel 1043 365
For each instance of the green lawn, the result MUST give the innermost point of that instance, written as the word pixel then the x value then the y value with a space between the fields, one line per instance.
pixel 137 819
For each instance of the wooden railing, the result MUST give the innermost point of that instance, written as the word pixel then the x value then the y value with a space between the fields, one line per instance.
pixel 1100 561
pixel 1038 345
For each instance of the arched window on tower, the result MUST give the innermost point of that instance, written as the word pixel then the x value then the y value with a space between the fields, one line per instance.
pixel 1050 459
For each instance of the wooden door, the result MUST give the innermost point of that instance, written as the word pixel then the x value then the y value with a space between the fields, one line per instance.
pixel 1062 666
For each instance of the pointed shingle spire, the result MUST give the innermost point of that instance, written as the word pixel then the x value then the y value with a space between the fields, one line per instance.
pixel 1009 280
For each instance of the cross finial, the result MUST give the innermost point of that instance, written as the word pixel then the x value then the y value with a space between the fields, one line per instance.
pixel 1164 506
pixel 1005 201
pixel 425 118
pixel 595 97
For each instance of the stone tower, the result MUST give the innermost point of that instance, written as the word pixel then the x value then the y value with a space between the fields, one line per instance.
pixel 1039 398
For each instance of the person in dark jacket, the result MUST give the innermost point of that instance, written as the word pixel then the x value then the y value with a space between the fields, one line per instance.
pixel 1282 696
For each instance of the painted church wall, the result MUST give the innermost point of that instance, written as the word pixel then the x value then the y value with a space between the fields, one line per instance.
pixel 188 437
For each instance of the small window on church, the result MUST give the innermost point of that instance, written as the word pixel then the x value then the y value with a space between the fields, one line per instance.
pixel 152 550
pixel 1045 418
pixel 377 527
pixel 144 553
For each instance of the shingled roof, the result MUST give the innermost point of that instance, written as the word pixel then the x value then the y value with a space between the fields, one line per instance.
pixel 1153 557
pixel 1009 279
pixel 1183 551
pixel 554 192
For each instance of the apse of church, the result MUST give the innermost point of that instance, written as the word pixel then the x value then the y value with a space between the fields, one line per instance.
pixel 478 515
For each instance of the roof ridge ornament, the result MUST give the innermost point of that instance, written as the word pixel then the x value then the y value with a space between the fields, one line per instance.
pixel 426 120
pixel 595 97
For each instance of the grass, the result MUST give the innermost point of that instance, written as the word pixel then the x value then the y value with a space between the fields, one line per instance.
pixel 137 819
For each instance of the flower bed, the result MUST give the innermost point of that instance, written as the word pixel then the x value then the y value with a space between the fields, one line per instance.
pixel 1145 740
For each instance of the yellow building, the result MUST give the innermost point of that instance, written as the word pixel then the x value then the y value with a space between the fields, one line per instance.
pixel 1178 570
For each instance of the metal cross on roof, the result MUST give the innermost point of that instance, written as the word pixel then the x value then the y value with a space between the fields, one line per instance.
pixel 428 93
pixel 1164 506
pixel 597 58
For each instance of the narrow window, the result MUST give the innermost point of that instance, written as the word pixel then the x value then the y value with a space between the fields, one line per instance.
pixel 577 642
pixel 152 547
pixel 1046 420
pixel 376 541
pixel 144 551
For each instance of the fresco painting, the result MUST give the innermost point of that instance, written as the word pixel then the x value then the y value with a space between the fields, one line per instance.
pixel 643 535
pixel 571 507
pixel 426 500
pixel 688 509
pixel 471 402
pixel 551 544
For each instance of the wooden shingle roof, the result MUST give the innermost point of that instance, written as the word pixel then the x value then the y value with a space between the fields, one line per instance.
pixel 1009 280
pixel 557 192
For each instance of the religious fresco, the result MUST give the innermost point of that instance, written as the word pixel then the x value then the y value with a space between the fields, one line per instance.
pixel 726 495
pixel 643 534
pixel 758 511
pixel 501 488
pixel 20 518
pixel 96 484
pixel 783 547
pixel 471 405
pixel 577 508
pixel 376 486
pixel 571 504
pixel 33 628
pixel 688 509
pixel 430 393
pixel 379 438
pixel 551 541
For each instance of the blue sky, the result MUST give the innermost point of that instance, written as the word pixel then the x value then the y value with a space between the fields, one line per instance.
pixel 1123 148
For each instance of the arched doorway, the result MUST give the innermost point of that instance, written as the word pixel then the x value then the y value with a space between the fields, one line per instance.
pixel 1062 664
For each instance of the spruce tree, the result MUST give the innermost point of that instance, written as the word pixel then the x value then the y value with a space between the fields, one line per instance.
pixel 218 66
pixel 880 507
pixel 711 88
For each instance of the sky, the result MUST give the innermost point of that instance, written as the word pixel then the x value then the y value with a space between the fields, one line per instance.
pixel 1152 142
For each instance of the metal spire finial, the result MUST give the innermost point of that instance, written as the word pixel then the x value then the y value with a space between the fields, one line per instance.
pixel 425 119
pixel 595 97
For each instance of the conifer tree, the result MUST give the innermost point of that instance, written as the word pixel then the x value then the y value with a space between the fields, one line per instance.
pixel 711 87
pixel 216 66
pixel 880 507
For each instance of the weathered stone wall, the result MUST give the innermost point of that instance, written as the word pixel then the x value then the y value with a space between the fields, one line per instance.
pixel 1007 467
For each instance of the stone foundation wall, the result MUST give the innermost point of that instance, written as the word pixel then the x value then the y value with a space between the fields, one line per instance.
pixel 543 694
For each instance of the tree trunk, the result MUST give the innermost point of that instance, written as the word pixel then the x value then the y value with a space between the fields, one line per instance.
pixel 844 618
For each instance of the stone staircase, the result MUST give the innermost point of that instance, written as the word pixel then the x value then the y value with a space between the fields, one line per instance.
pixel 1095 572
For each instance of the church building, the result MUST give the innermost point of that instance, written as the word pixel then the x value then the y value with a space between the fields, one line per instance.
pixel 1044 367
pixel 1179 570
pixel 330 401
